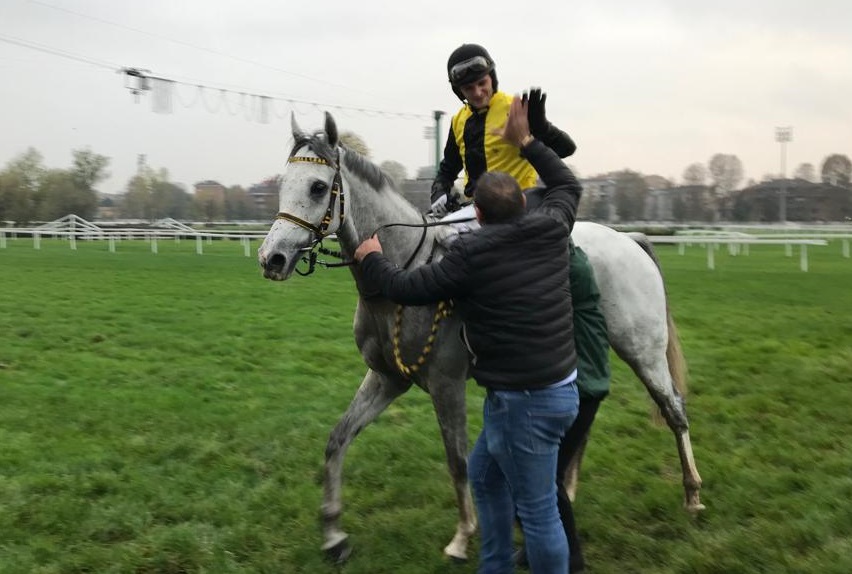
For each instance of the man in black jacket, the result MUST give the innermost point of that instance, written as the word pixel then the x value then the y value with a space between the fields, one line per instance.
pixel 473 147
pixel 511 286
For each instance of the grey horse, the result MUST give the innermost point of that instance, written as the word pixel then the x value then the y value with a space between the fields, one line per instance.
pixel 327 189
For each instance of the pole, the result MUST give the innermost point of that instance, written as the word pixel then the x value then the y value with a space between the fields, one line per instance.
pixel 437 115
pixel 783 135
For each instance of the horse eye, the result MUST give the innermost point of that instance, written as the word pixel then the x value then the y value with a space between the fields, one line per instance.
pixel 319 188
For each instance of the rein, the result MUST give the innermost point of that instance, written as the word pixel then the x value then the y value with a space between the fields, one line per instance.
pixel 320 231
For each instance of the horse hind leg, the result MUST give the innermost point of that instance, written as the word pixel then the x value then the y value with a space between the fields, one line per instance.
pixel 656 377
pixel 448 398
pixel 374 395
pixel 677 372
pixel 666 382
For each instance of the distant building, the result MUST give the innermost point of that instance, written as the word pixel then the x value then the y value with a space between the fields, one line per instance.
pixel 598 202
pixel 265 196
pixel 210 199
pixel 210 190
pixel 683 203
pixel 806 201
pixel 659 204
pixel 108 206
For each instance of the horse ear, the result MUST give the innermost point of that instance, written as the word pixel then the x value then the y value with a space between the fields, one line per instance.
pixel 297 131
pixel 331 130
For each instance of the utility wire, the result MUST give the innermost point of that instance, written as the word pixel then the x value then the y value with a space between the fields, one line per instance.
pixel 196 47
pixel 137 73
pixel 57 52
pixel 243 93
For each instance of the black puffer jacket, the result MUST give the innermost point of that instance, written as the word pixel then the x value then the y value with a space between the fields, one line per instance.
pixel 510 283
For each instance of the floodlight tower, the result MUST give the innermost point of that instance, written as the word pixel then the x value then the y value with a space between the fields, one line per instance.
pixel 437 115
pixel 783 135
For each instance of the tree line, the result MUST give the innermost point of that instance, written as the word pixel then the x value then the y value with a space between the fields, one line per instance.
pixel 30 191
pixel 700 191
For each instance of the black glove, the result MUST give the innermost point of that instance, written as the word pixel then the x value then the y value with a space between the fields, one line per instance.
pixel 539 125
pixel 443 199
pixel 439 188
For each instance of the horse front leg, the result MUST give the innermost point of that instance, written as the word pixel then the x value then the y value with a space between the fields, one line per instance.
pixel 374 395
pixel 571 479
pixel 448 398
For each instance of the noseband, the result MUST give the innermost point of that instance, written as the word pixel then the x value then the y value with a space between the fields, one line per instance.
pixel 320 231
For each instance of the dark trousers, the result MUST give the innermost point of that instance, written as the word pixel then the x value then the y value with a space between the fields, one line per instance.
pixel 571 442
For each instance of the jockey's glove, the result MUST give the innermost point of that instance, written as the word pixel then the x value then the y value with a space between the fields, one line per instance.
pixel 446 203
pixel 543 130
pixel 439 188
pixel 443 199
pixel 539 126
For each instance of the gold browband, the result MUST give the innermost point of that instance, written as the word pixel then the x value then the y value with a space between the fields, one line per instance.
pixel 298 158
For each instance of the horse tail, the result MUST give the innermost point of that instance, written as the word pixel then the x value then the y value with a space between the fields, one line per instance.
pixel 674 352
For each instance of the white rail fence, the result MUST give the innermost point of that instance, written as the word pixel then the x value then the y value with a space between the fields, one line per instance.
pixel 73 229
pixel 738 245
pixel 114 237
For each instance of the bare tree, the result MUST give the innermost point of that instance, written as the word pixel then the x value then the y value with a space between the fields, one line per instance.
pixel 695 174
pixel 657 182
pixel 630 194
pixel 62 192
pixel 394 170
pixel 806 171
pixel 837 170
pixel 89 169
pixel 150 195
pixel 726 171
pixel 19 187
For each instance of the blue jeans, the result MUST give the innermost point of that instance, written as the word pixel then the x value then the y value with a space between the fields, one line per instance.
pixel 511 469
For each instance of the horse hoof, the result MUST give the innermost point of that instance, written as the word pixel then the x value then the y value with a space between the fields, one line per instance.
pixel 340 552
pixel 456 556
pixel 695 507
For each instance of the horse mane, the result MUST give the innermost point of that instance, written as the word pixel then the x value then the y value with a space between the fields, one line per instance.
pixel 354 161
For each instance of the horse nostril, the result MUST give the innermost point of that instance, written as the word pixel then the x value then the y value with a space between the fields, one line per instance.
pixel 276 262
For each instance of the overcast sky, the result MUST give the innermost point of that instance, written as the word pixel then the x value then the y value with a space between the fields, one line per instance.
pixel 650 85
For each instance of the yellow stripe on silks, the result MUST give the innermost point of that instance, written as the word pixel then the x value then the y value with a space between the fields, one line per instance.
pixel 499 154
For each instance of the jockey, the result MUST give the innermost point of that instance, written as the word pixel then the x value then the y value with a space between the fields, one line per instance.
pixel 474 146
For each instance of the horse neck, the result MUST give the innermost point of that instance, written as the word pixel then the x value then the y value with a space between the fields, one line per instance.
pixel 370 209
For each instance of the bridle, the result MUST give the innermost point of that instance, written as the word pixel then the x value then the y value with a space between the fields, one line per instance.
pixel 320 231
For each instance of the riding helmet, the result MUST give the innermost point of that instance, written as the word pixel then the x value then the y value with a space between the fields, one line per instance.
pixel 473 73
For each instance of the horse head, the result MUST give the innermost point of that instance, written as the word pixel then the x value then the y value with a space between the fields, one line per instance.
pixel 311 204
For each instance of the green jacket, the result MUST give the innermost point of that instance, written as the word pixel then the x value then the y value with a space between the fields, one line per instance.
pixel 590 333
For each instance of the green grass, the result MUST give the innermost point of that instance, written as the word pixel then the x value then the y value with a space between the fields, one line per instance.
pixel 168 413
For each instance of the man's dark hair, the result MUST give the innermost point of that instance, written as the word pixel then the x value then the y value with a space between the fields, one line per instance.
pixel 498 197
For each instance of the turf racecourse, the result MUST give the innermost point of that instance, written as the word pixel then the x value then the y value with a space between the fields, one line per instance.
pixel 168 413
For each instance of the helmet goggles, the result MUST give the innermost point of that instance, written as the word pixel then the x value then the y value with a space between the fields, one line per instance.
pixel 470 70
